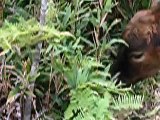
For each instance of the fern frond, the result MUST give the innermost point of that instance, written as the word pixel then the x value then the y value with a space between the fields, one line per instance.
pixel 128 102
pixel 28 33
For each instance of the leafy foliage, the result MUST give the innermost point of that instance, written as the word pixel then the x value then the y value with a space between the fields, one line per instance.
pixel 73 79
pixel 27 33
pixel 91 103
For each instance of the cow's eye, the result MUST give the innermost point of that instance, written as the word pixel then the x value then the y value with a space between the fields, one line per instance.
pixel 137 56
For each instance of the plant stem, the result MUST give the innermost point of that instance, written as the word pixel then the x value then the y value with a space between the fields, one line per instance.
pixel 35 64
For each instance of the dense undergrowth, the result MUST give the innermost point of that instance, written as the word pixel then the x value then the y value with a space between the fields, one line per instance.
pixel 73 80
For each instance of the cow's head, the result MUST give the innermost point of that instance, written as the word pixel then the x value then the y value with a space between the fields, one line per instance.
pixel 142 58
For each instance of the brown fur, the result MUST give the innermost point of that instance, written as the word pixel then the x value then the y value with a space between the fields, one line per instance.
pixel 142 34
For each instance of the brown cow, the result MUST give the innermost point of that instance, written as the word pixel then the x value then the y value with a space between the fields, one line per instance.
pixel 142 58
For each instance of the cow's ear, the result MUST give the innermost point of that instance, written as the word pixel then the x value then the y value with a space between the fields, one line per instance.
pixel 155 6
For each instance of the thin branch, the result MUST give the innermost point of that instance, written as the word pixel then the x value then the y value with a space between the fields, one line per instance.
pixel 36 60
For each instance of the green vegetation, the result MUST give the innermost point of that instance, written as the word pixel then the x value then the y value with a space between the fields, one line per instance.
pixel 73 80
